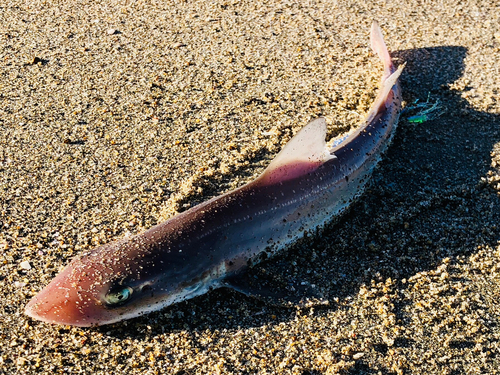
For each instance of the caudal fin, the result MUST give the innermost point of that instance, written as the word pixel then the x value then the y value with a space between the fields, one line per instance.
pixel 379 47
pixel 391 74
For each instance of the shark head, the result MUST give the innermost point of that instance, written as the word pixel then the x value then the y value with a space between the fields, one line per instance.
pixel 108 285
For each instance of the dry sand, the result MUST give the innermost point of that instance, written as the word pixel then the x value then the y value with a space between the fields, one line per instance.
pixel 114 117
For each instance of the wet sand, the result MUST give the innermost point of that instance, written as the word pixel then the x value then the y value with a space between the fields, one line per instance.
pixel 115 117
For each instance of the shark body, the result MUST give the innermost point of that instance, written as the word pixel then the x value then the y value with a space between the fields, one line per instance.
pixel 303 188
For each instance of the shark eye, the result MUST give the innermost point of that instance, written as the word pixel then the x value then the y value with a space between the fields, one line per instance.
pixel 119 295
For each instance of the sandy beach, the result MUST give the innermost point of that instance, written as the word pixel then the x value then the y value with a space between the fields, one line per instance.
pixel 115 117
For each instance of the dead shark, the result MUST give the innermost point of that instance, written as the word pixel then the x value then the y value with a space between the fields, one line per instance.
pixel 304 187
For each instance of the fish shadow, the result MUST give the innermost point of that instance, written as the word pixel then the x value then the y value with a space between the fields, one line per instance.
pixel 426 203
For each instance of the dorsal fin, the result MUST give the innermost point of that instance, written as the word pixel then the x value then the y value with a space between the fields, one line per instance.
pixel 305 152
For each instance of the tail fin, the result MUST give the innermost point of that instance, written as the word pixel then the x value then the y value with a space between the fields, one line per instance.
pixel 379 47
pixel 391 74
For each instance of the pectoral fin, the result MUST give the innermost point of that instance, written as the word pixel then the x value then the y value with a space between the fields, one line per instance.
pixel 275 289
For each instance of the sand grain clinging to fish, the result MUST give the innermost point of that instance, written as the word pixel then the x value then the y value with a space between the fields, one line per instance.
pixel 304 187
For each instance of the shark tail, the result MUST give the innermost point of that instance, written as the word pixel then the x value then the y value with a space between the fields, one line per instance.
pixel 379 47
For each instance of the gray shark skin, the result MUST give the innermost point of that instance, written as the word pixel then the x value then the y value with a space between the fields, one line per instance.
pixel 303 188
